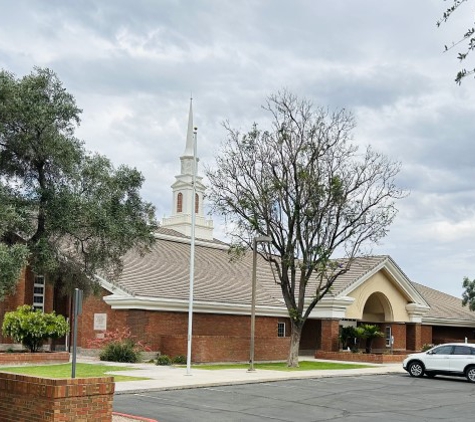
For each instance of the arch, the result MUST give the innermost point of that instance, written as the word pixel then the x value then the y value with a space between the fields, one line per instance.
pixel 377 308
pixel 197 203
pixel 179 202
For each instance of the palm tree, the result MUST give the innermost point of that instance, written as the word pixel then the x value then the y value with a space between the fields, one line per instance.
pixel 369 332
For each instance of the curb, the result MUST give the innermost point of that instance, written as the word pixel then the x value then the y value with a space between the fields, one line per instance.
pixel 135 418
pixel 244 382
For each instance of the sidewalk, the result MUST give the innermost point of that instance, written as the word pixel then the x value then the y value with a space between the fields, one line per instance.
pixel 174 378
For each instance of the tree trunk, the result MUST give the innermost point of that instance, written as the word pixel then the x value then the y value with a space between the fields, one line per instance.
pixel 295 333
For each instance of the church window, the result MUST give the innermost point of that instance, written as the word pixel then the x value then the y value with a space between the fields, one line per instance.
pixel 179 202
pixel 39 293
pixel 281 329
pixel 197 203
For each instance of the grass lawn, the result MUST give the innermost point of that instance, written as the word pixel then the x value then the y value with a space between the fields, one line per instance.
pixel 83 370
pixel 282 366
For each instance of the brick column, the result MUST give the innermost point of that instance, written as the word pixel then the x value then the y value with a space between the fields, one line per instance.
pixel 329 332
pixel 33 399
pixel 414 337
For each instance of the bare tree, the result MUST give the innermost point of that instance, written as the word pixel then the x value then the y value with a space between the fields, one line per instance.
pixel 468 39
pixel 307 187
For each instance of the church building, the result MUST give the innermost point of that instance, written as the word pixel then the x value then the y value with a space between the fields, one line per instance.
pixel 151 296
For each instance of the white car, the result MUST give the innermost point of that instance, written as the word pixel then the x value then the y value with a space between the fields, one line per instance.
pixel 456 359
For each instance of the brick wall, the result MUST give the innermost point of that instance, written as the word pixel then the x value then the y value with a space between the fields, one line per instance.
pixel 442 334
pixel 36 358
pixel 360 357
pixel 414 336
pixel 329 332
pixel 216 338
pixel 426 334
pixel 32 399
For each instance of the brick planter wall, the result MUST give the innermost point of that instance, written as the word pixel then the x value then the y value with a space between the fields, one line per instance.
pixel 32 399
pixel 360 357
pixel 36 358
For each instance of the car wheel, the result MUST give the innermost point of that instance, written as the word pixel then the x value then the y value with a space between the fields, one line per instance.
pixel 470 373
pixel 417 370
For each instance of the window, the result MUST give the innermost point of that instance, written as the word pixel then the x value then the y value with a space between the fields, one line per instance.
pixel 39 293
pixel 463 350
pixel 388 335
pixel 281 329
pixel 197 203
pixel 179 202
pixel 442 350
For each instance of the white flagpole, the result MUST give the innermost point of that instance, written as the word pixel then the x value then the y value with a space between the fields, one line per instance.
pixel 192 256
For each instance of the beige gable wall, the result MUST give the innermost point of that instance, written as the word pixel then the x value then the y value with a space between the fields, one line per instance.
pixel 379 282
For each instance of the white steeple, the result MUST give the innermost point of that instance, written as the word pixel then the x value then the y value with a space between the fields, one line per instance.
pixel 183 201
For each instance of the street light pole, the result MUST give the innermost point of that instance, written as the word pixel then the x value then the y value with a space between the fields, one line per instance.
pixel 253 297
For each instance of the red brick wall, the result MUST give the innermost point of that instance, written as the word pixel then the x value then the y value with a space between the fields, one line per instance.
pixel 21 358
pixel 360 357
pixel 224 338
pixel 32 399
pixel 451 334
pixel 414 337
pixel 426 334
pixel 329 332
pixel 309 337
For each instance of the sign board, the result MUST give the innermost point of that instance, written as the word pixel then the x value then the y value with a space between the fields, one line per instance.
pixel 100 322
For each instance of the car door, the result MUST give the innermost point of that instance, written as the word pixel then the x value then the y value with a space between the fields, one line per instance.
pixel 461 356
pixel 438 359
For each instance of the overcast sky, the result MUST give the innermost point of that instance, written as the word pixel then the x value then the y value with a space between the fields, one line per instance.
pixel 132 66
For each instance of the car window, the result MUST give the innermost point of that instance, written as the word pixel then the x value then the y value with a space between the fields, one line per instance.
pixel 462 350
pixel 442 350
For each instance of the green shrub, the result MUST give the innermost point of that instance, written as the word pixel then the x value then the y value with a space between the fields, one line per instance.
pixel 120 351
pixel 163 360
pixel 119 346
pixel 32 328
pixel 179 360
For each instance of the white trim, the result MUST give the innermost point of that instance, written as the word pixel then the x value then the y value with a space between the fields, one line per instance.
pixel 174 305
pixel 416 311
pixel 399 277
pixel 448 322
pixel 332 307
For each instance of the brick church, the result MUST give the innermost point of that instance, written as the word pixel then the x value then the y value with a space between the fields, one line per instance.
pixel 151 297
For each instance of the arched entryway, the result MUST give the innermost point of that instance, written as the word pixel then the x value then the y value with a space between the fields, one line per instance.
pixel 377 309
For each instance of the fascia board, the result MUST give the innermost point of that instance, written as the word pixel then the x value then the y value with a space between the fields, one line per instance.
pixel 113 288
pixel 174 305
pixel 448 322
pixel 187 241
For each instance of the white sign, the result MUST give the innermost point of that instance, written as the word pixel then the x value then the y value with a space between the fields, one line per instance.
pixel 100 322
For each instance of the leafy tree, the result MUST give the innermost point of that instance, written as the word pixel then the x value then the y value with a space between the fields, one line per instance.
pixel 32 328
pixel 75 214
pixel 468 296
pixel 468 40
pixel 307 187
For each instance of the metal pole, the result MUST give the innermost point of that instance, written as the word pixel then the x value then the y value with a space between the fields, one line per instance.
pixel 75 331
pixel 253 296
pixel 192 257
pixel 253 304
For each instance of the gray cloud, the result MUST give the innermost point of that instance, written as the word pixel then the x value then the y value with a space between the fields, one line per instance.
pixel 132 67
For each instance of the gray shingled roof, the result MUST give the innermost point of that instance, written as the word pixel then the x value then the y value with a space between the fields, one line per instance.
pixel 164 273
pixel 444 306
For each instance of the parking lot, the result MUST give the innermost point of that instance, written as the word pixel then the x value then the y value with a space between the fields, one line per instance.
pixel 388 398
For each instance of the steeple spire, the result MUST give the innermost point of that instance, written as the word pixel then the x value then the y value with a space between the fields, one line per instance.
pixel 189 135
pixel 184 201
